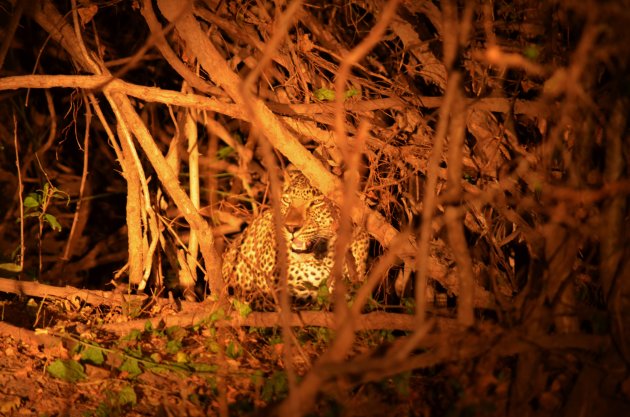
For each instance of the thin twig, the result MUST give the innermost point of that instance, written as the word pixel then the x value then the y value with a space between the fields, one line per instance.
pixel 453 215
pixel 430 195
pixel 190 131
pixel 19 191
pixel 86 153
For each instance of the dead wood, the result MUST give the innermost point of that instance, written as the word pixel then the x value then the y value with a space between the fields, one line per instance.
pixel 51 344
pixel 483 144
pixel 93 297
pixel 195 315
pixel 191 314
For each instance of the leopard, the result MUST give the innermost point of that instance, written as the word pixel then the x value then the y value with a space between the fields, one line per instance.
pixel 310 226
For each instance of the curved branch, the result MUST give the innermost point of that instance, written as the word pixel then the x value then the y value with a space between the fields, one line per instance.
pixel 269 124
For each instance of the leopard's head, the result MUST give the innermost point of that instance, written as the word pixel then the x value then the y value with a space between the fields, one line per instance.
pixel 309 218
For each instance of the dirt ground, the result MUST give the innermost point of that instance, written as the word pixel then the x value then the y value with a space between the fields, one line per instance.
pixel 73 369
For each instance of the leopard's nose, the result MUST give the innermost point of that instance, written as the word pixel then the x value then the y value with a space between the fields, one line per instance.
pixel 293 220
pixel 292 228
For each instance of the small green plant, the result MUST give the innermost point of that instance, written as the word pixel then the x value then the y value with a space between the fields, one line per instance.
pixel 242 308
pixel 217 315
pixel 117 403
pixel 275 387
pixel 323 335
pixel 37 204
pixel 325 94
pixel 233 350
pixel 409 304
pixel 323 295
pixel 12 267
pixel 130 367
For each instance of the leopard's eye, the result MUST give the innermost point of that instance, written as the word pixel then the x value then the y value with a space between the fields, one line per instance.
pixel 286 200
pixel 318 202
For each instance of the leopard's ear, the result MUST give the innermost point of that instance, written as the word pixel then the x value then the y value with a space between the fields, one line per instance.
pixel 291 173
pixel 294 176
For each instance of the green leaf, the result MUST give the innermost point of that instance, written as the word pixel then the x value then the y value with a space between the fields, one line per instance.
pixel 133 335
pixel 213 346
pixel 531 52
pixel 181 357
pixel 161 369
pixel 173 346
pixel 324 94
pixel 242 308
pixel 351 93
pixel 204 367
pixel 224 152
pixel 275 339
pixel 131 367
pixel 276 386
pixel 217 315
pixel 409 304
pixel 53 222
pixel 102 410
pixel 127 396
pixel 68 370
pixel 233 350
pixel 60 195
pixel 135 352
pixel 93 355
pixel 10 267
pixel 148 326
pixel 323 294
pixel 32 200
pixel 176 333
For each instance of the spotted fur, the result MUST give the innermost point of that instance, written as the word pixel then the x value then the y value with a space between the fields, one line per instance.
pixel 310 226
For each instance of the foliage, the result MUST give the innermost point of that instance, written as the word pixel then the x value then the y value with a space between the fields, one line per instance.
pixel 36 205
pixel 117 403
pixel 68 370
pixel 490 139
